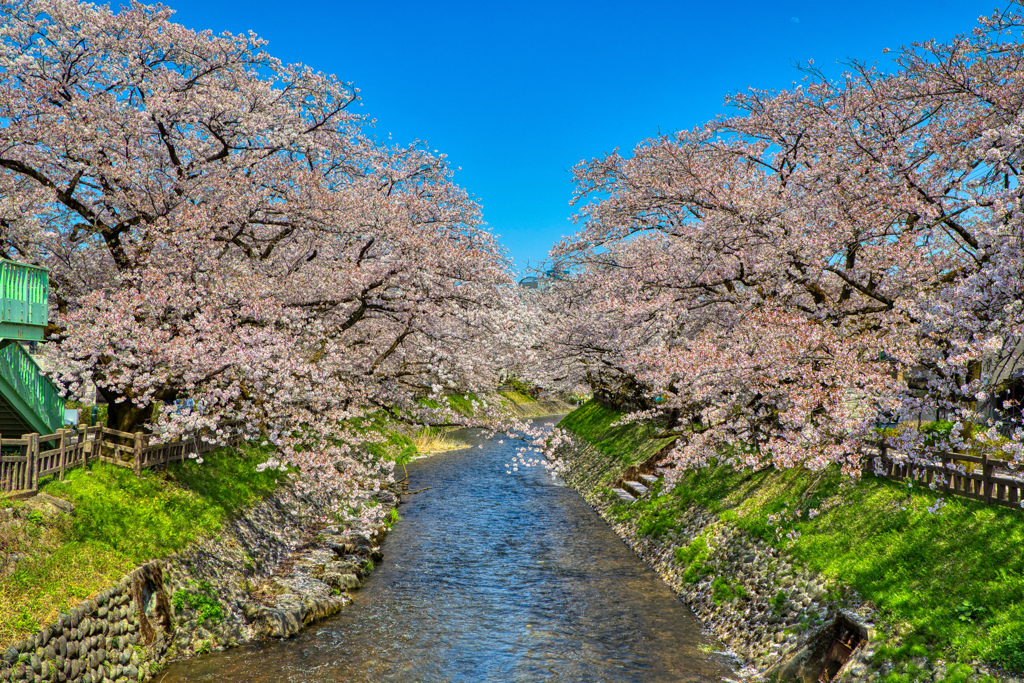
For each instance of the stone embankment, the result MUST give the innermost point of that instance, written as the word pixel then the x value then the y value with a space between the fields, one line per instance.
pixel 776 619
pixel 274 569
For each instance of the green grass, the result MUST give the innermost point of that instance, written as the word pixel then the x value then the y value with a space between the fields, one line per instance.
pixel 947 585
pixel 629 443
pixel 517 397
pixel 461 403
pixel 120 521
pixel 201 598
pixel 141 517
pixel 693 558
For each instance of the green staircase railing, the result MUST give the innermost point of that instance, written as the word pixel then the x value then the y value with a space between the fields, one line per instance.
pixel 28 401
pixel 34 400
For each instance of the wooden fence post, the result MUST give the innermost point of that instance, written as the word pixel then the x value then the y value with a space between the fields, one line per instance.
pixel 83 436
pixel 138 454
pixel 986 472
pixel 63 452
pixel 97 445
pixel 87 448
pixel 8 483
pixel 33 459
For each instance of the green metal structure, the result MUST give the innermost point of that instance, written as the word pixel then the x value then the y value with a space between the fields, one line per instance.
pixel 28 401
pixel 24 301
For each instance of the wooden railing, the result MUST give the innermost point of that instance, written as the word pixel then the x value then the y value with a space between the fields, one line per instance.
pixel 24 460
pixel 990 480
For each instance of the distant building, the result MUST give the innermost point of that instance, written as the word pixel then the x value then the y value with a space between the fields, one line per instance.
pixel 545 280
pixel 530 282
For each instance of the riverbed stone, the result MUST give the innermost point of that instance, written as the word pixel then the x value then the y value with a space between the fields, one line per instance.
pixel 340 567
pixel 343 582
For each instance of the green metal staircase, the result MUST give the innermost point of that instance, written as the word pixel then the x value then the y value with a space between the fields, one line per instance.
pixel 28 401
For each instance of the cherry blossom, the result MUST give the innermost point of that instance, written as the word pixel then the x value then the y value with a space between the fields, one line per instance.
pixel 777 282
pixel 222 227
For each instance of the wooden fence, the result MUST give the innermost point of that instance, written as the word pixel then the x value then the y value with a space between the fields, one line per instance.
pixel 989 480
pixel 24 460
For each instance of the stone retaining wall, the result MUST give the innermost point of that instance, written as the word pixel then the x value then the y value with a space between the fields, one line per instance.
pixel 270 572
pixel 763 609
pixel 771 615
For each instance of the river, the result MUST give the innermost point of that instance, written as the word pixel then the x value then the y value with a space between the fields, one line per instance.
pixel 490 577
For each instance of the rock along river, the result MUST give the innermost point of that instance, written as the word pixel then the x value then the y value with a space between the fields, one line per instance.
pixel 490 577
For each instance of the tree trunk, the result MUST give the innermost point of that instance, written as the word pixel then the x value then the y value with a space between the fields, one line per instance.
pixel 126 416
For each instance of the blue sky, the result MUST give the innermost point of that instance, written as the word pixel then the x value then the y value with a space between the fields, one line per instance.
pixel 517 93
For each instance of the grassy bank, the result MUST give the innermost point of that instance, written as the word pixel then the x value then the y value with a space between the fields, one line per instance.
pixel 517 397
pixel 120 520
pixel 947 577
pixel 625 445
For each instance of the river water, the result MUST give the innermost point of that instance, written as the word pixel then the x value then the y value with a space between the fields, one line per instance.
pixel 490 577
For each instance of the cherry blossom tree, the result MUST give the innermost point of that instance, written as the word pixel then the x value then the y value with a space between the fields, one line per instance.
pixel 775 276
pixel 223 227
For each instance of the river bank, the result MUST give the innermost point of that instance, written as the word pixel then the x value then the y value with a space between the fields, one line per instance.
pixel 924 595
pixel 240 555
pixel 271 569
pixel 760 606
pixel 431 441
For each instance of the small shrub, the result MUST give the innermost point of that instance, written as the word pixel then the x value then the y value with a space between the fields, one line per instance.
pixel 694 557
pixel 723 591
pixel 720 590
pixel 36 517
pixel 968 611
pixel 779 601
pixel 937 432
pixel 201 599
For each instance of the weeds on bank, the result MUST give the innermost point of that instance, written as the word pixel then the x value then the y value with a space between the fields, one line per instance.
pixel 517 397
pixel 723 591
pixel 199 596
pixel 693 559
pixel 434 440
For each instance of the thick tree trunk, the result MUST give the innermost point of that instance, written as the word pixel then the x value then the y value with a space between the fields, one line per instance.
pixel 619 392
pixel 126 416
